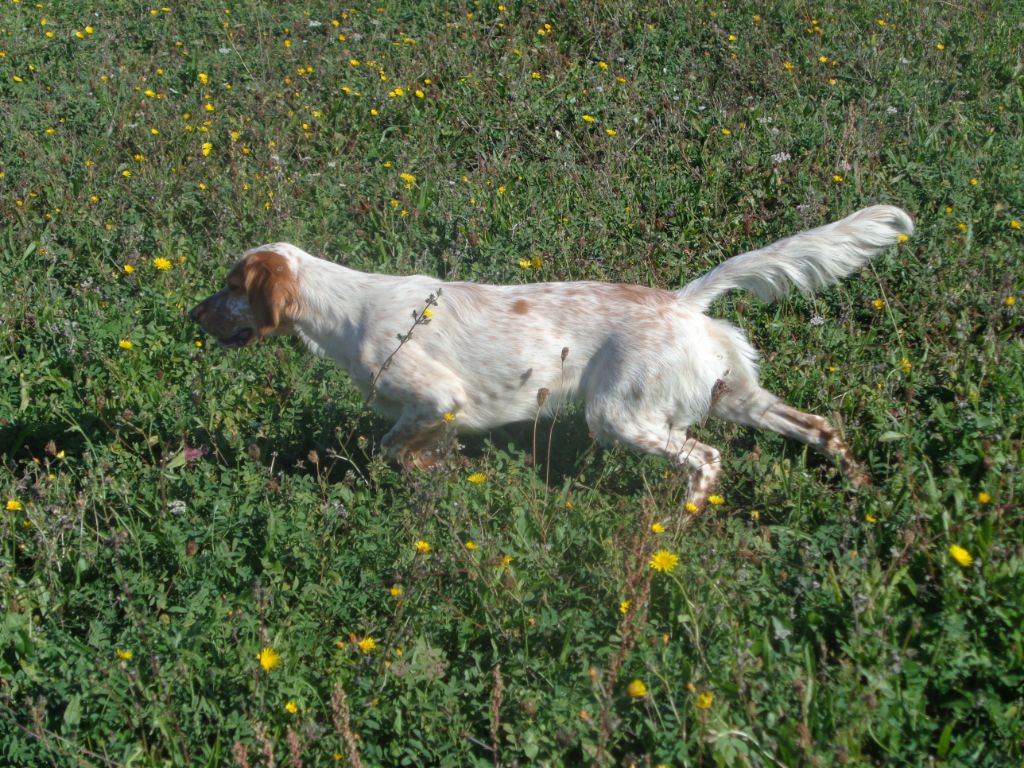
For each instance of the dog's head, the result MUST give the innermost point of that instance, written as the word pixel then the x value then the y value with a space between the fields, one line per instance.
pixel 260 299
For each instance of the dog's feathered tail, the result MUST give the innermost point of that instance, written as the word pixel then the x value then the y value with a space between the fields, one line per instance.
pixel 807 262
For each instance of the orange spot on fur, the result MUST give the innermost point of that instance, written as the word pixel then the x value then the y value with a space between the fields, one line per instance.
pixel 521 307
pixel 271 288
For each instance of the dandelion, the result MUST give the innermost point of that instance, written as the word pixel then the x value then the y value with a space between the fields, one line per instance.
pixel 203 78
pixel 788 66
pixel 878 304
pixel 535 75
pixel 902 237
pixel 692 508
pixel 837 178
pixel 449 417
pixel 123 654
pixel 506 561
pixel 291 707
pixel 1014 224
pixel 940 47
pixel 502 190
pixel 664 561
pixel 961 555
pixel 408 178
pixel 984 498
pixel 611 131
pixel 657 528
pixel 477 478
pixel 588 118
pixel 269 658
pixel 207 148
pixel 905 365
pixel 637 689
pixel 755 515
pixel 869 518
pixel 13 505
pixel 423 547
pixel 471 546
pixel 162 264
pixel 524 263
pixel 125 344
pixel 973 182
pixel 726 132
pixel 624 607
pixel 962 227
pixel 367 644
pixel 1010 301
pixel 716 500
pixel 126 173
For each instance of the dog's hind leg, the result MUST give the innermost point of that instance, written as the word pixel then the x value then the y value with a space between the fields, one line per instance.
pixel 747 403
pixel 703 462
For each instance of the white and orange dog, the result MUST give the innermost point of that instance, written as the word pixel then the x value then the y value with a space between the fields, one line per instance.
pixel 646 362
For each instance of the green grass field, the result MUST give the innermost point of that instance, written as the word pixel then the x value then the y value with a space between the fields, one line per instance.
pixel 204 558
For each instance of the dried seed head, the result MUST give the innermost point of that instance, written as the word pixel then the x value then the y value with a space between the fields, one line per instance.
pixel 542 396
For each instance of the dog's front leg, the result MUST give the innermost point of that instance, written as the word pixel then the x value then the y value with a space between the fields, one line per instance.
pixel 416 440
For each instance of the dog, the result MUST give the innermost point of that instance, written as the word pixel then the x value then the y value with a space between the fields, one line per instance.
pixel 648 363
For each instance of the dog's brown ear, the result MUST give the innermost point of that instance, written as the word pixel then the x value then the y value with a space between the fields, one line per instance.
pixel 272 291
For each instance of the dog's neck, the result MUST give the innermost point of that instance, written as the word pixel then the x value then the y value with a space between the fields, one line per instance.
pixel 332 299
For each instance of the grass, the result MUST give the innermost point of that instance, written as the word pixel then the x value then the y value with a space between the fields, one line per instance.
pixel 173 509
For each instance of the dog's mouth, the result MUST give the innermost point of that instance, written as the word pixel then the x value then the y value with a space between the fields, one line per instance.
pixel 240 339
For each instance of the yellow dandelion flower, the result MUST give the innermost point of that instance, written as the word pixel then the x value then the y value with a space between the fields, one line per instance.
pixel 207 148
pixel 902 237
pixel 423 547
pixel 837 178
pixel 13 505
pixel 726 132
pixel 203 78
pixel 536 262
pixel 962 227
pixel 624 606
pixel 637 689
pixel 755 515
pixel 162 264
pixel 984 498
pixel 125 344
pixel 408 178
pixel 419 94
pixel 705 700
pixel 961 555
pixel 449 417
pixel 905 365
pixel 664 561
pixel 395 591
pixel 1014 224
pixel 123 654
pixel 1010 301
pixel 657 528
pixel 268 658
pixel 367 644
pixel 692 508
pixel 788 66
pixel 471 546
pixel 611 131
pixel 477 478
pixel 524 264
pixel 291 707
pixel 506 561
pixel 973 182
pixel 869 518
pixel 535 75
pixel 716 500
pixel 940 47
pixel 878 304
pixel 588 118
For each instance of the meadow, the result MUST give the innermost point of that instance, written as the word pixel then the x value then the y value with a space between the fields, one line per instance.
pixel 206 560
